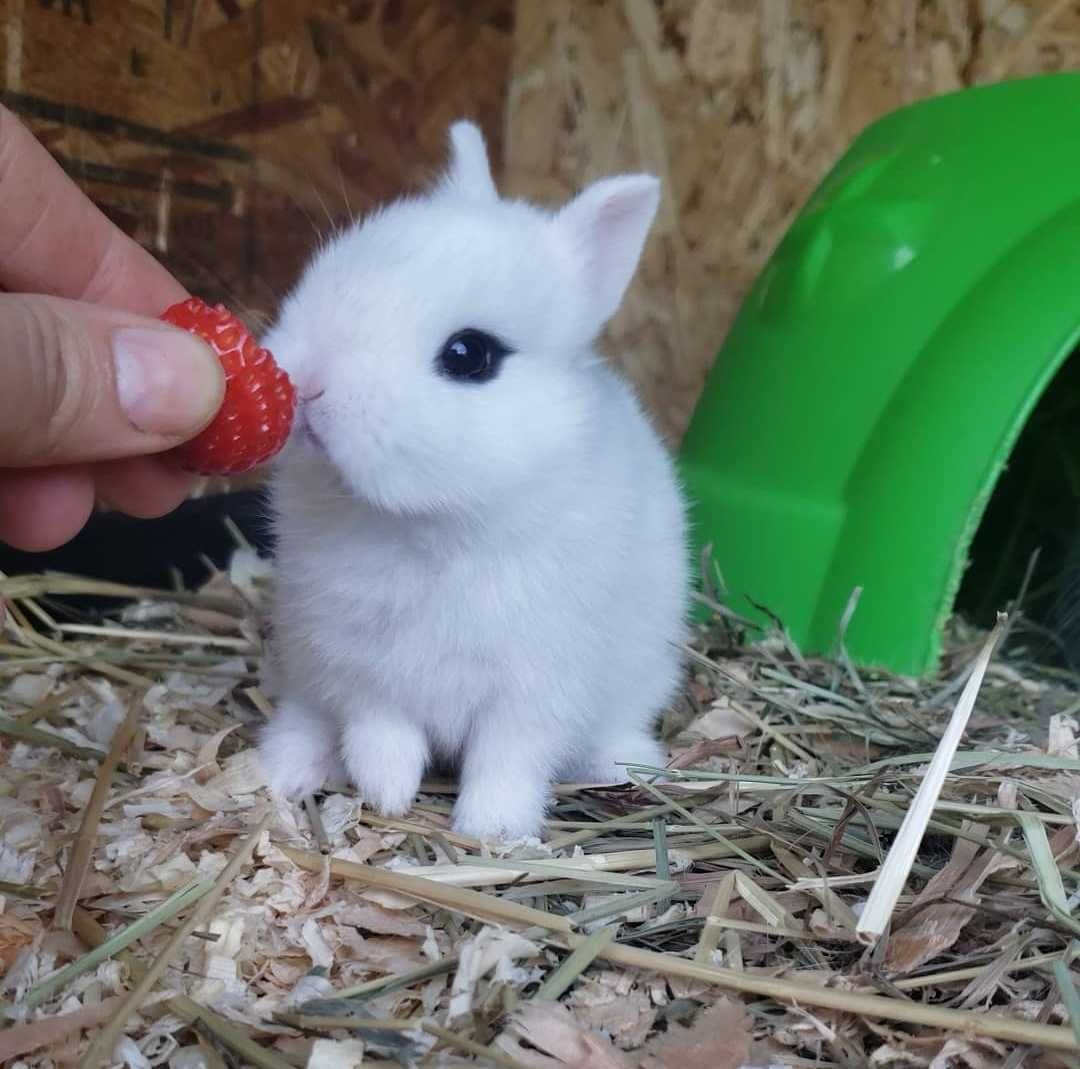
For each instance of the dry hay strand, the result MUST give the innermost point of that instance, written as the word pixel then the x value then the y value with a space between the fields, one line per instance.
pixel 714 916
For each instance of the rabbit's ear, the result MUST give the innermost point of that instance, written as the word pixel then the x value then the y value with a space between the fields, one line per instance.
pixel 469 172
pixel 605 227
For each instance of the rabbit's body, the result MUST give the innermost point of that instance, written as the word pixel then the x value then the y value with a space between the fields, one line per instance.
pixel 505 588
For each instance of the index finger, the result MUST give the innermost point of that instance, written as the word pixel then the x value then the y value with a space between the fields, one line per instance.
pixel 54 240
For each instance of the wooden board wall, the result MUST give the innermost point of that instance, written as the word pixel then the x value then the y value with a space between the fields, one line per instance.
pixel 227 135
pixel 740 106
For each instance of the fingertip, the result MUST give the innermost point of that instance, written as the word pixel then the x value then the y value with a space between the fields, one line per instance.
pixel 168 382
pixel 42 508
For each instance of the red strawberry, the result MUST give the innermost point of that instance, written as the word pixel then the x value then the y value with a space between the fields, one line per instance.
pixel 254 420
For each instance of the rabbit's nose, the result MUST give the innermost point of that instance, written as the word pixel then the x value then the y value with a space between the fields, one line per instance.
pixel 305 396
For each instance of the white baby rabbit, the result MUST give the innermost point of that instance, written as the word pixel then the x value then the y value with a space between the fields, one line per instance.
pixel 481 539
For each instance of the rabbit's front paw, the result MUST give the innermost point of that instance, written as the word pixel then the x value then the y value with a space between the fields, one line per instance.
pixel 385 757
pixel 499 816
pixel 297 752
pixel 504 787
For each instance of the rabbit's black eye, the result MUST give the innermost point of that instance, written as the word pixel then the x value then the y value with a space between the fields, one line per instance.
pixel 471 356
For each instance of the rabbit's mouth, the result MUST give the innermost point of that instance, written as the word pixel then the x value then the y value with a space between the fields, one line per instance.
pixel 305 430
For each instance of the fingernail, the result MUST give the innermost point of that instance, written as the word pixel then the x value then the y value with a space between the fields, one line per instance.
pixel 167 382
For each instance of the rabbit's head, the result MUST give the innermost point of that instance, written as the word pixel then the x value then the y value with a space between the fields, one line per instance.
pixel 442 347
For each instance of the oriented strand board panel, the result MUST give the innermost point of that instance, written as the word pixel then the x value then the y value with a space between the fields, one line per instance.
pixel 740 106
pixel 228 135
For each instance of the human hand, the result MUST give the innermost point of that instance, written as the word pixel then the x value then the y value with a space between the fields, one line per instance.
pixel 92 384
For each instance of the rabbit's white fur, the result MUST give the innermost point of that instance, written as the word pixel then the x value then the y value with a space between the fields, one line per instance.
pixel 490 573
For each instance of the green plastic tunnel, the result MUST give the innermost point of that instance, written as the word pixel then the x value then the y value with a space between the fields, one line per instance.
pixel 880 370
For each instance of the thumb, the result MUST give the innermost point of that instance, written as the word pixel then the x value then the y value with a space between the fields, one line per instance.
pixel 80 383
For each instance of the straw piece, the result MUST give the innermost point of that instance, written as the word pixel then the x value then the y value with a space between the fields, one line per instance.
pixel 1069 995
pixel 590 867
pixel 714 904
pixel 105 1041
pixel 580 958
pixel 311 807
pixel 623 905
pixel 82 852
pixel 894 872
pixel 765 905
pixel 495 1057
pixel 327 1022
pixel 225 1032
pixel 174 904
pixel 17 1040
pixel 471 903
pixel 385 984
pixel 663 858
pixel 129 634
pixel 873 1006
pixel 838 911
pixel 1051 888
pixel 22 890
pixel 723 840
pixel 764 726
pixel 726 924
pixel 601 869
pixel 955 976
pixel 36 737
